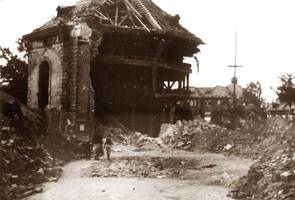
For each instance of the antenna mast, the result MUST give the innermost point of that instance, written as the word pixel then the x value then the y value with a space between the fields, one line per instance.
pixel 234 81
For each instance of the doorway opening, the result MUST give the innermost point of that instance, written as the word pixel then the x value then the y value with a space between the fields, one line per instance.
pixel 43 90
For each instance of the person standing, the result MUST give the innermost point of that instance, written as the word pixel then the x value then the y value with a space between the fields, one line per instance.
pixel 97 145
pixel 108 146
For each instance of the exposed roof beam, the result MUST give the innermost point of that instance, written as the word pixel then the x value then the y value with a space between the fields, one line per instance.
pixel 109 18
pixel 117 13
pixel 144 26
pixel 100 15
pixel 147 14
pixel 122 20
pixel 129 5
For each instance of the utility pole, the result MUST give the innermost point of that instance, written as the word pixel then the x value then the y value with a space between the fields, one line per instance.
pixel 234 81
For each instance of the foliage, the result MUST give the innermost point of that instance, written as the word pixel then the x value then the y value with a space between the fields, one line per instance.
pixel 13 75
pixel 252 95
pixel 286 92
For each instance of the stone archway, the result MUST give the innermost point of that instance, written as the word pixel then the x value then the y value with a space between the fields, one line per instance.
pixel 43 85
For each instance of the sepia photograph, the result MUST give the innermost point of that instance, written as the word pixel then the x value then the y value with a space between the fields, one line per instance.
pixel 147 100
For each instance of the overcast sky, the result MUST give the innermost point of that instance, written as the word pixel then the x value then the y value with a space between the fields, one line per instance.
pixel 266 35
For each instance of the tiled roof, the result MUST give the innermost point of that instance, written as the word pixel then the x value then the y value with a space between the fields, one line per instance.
pixel 215 92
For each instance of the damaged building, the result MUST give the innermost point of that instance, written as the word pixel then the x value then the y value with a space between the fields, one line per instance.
pixel 117 58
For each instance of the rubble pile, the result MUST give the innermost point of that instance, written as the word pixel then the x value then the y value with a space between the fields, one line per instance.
pixel 271 141
pixel 24 164
pixel 119 136
pixel 202 135
pixel 196 134
pixel 143 142
pixel 137 140
pixel 147 167
pixel 269 136
pixel 28 155
pixel 273 175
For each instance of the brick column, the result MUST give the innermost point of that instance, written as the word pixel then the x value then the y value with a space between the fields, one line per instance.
pixel 73 71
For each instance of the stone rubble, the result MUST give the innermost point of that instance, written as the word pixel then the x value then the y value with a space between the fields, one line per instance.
pixel 26 152
pixel 23 166
pixel 146 167
pixel 272 177
pixel 271 142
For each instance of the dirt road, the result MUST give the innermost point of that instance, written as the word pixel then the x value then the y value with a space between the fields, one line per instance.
pixel 185 176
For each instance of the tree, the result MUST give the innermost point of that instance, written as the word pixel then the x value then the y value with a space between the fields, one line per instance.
pixel 252 94
pixel 286 92
pixel 13 75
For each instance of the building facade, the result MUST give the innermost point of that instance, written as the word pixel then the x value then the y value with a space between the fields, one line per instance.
pixel 119 59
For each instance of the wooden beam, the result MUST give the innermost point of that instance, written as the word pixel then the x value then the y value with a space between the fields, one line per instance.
pixel 130 6
pixel 109 2
pixel 117 13
pixel 142 62
pixel 100 15
pixel 131 18
pixel 122 20
pixel 144 26
pixel 147 14
pixel 109 18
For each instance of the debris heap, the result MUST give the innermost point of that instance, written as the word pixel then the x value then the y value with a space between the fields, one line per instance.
pixel 26 150
pixel 196 134
pixel 24 164
pixel 146 167
pixel 273 175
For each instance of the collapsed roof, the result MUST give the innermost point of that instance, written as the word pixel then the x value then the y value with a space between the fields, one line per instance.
pixel 123 15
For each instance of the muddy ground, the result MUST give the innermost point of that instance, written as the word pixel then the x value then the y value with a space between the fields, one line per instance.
pixel 148 175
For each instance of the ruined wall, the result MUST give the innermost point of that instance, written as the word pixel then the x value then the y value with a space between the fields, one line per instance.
pixel 54 56
pixel 69 82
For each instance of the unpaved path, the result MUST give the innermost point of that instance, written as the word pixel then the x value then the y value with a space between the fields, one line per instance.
pixel 206 184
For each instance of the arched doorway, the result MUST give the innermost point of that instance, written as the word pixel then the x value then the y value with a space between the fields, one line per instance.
pixel 43 85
